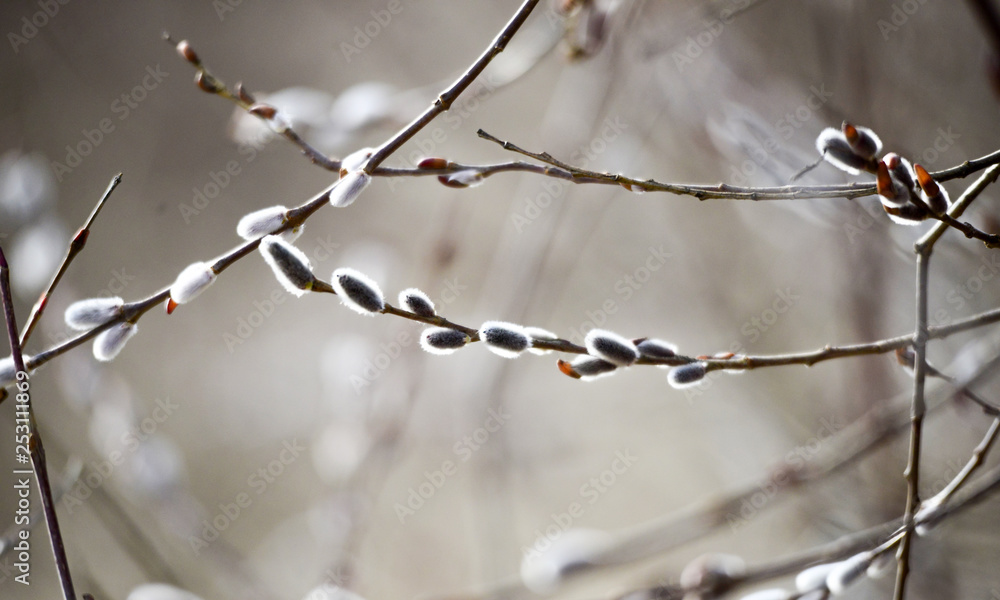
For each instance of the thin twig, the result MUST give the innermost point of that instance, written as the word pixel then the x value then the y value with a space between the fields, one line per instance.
pixel 208 82
pixel 75 247
pixel 36 448
pixel 447 97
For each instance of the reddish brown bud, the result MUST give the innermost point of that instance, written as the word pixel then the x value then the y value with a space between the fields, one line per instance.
pixel 188 53
pixel 567 369
pixel 207 83
pixel 265 111
pixel 884 183
pixel 171 305
pixel 926 182
pixel 433 164
pixel 243 94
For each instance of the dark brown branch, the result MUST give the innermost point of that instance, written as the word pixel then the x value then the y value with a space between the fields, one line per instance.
pixel 35 446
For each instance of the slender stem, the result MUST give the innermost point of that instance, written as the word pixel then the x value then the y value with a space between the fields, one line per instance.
pixel 75 247
pixel 36 448
pixel 447 97
pixel 212 84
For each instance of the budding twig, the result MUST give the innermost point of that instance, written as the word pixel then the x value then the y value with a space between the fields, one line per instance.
pixel 35 446
pixel 75 247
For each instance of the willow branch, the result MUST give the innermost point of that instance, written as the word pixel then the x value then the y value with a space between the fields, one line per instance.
pixel 448 96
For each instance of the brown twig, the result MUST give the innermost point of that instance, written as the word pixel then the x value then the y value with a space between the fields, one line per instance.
pixel 447 97
pixel 35 446
pixel 76 246
pixel 213 85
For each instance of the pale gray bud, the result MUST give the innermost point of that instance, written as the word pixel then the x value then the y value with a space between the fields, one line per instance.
pixel 417 302
pixel 611 347
pixel 814 577
pixel 768 594
pixel 504 339
pixel 262 222
pixel 110 342
pixel 655 349
pixel 290 265
pixel 357 291
pixel 847 572
pixel 84 315
pixel 191 282
pixel 442 340
pixel 687 375
pixel 347 190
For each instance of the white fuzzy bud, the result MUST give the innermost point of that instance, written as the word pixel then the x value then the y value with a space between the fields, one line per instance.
pixel 356 160
pixel 160 591
pixel 537 333
pixel 357 291
pixel 290 265
pixel 814 577
pixel 768 594
pixel 656 349
pixel 611 347
pixel 504 339
pixel 847 572
pixel 84 315
pixel 262 222
pixel 416 302
pixel 110 342
pixel 687 375
pixel 442 341
pixel 347 190
pixel 926 515
pixel 193 280
pixel 881 565
pixel 543 569
pixel 588 368
pixel 464 179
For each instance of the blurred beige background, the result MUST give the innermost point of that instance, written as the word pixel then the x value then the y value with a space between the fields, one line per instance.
pixel 346 415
